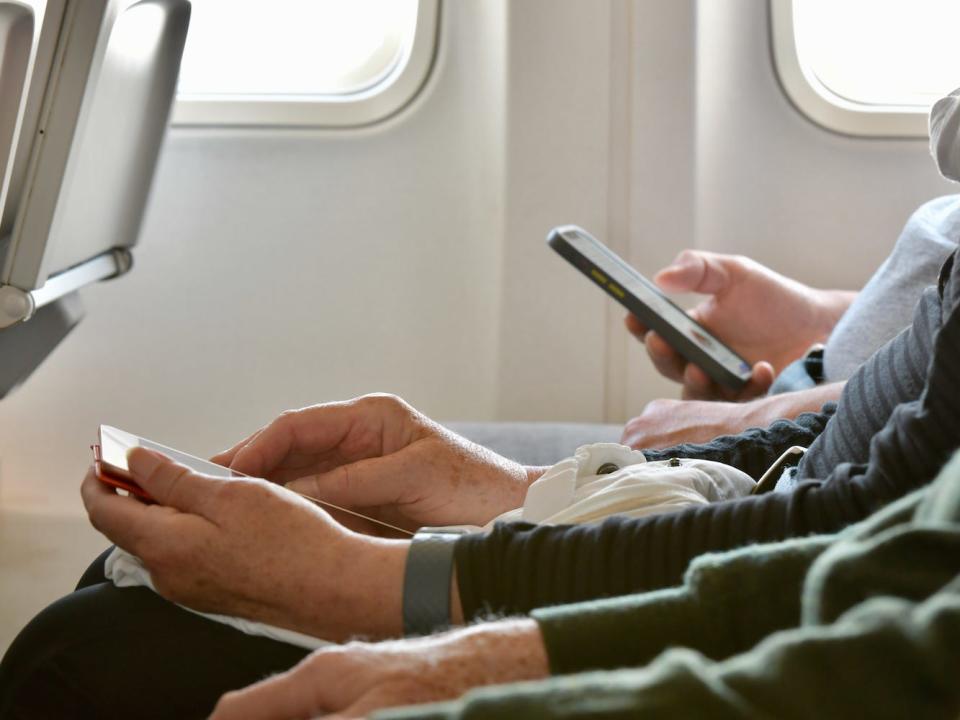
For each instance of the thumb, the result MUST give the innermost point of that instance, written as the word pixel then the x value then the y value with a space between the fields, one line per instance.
pixel 365 483
pixel 168 482
pixel 761 378
pixel 695 271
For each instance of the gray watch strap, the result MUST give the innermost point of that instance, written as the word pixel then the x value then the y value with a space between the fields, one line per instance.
pixel 426 581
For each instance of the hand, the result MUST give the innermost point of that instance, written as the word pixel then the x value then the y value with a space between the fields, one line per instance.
pixel 665 423
pixel 250 548
pixel 767 318
pixel 379 456
pixel 356 679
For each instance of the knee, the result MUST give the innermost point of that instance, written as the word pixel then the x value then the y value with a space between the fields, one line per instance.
pixel 34 681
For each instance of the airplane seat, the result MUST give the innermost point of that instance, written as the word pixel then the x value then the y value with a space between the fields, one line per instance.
pixel 536 443
pixel 86 88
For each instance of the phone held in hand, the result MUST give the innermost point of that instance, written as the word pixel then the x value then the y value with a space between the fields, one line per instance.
pixel 110 465
pixel 645 300
pixel 110 460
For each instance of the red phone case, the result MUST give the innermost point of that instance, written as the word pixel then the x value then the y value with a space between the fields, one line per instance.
pixel 105 475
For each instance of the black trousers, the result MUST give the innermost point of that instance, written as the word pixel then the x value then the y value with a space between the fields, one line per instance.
pixel 106 652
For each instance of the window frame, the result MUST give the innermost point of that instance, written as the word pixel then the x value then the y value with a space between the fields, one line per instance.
pixel 365 107
pixel 820 104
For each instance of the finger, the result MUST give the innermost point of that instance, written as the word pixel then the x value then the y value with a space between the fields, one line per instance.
pixel 287 695
pixel 315 430
pixel 697 385
pixel 173 484
pixel 696 271
pixel 636 328
pixel 761 378
pixel 125 520
pixel 226 457
pixel 668 361
pixel 362 484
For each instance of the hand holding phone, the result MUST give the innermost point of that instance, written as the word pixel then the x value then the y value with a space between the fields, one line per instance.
pixel 110 465
pixel 110 460
pixel 645 300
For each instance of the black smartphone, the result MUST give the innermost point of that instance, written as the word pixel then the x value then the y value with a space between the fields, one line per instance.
pixel 650 305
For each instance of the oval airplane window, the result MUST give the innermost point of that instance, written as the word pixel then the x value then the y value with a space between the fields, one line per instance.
pixel 867 67
pixel 303 62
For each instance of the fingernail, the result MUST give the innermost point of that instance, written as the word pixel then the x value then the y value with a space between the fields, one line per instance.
pixel 143 462
pixel 296 486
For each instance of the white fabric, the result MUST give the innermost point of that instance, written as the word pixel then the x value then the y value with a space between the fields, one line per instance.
pixel 126 570
pixel 569 492
pixel 572 492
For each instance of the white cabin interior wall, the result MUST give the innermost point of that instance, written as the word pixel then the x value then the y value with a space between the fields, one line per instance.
pixel 552 336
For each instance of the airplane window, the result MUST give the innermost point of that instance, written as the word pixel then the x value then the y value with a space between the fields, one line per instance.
pixel 866 67
pixel 252 63
pixel 881 52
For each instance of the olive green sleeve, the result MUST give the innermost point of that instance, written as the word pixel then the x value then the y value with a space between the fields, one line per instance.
pixel 727 604
pixel 887 657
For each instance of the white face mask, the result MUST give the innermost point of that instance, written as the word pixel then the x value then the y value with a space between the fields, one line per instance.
pixel 945 135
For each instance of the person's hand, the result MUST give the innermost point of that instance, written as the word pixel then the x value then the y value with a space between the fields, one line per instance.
pixel 769 319
pixel 665 423
pixel 379 456
pixel 356 679
pixel 249 548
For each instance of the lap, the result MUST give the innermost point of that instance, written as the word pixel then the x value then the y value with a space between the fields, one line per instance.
pixel 105 652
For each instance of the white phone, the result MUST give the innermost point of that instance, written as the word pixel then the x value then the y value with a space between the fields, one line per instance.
pixel 110 464
pixel 110 460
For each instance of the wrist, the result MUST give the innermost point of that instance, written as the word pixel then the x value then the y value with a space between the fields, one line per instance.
pixel 370 589
pixel 498 652
pixel 830 306
pixel 534 473
pixel 764 411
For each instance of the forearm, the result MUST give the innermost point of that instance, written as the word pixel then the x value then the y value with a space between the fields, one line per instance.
pixel 830 307
pixel 767 410
pixel 754 449
pixel 826 671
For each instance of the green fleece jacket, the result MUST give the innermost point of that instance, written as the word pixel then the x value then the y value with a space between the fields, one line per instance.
pixel 865 623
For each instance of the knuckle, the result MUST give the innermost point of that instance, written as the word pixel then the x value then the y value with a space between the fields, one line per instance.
pixel 387 401
pixel 660 405
pixel 225 704
pixel 241 491
pixel 175 477
pixel 744 263
pixel 286 419
pixel 95 514
pixel 231 491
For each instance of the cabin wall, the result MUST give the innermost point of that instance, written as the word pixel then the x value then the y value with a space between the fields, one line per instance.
pixel 282 267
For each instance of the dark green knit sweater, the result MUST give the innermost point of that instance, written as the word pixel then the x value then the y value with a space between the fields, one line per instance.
pixel 864 624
